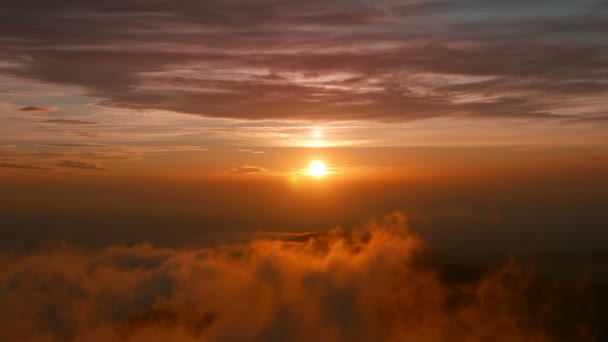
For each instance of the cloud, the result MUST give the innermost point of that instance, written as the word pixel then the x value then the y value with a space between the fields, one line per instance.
pixel 80 165
pixel 69 122
pixel 21 166
pixel 34 109
pixel 78 145
pixel 250 151
pixel 590 118
pixel 246 169
pixel 86 134
pixel 365 60
pixel 90 154
pixel 373 283
pixel 169 148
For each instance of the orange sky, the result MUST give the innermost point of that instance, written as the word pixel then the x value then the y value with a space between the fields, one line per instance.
pixel 233 95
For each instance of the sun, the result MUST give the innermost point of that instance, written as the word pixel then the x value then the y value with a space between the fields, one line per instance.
pixel 316 169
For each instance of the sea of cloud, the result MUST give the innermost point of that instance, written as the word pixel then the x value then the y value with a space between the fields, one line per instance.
pixel 368 284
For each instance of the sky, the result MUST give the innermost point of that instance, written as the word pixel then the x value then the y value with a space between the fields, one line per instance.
pixel 232 92
pixel 155 144
pixel 98 81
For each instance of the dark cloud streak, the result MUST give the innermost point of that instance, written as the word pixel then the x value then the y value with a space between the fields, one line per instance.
pixel 68 122
pixel 22 166
pixel 80 165
pixel 78 145
pixel 34 109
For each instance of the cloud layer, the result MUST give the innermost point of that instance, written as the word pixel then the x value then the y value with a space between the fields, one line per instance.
pixel 34 109
pixel 377 60
pixel 79 165
pixel 21 166
pixel 369 284
pixel 246 169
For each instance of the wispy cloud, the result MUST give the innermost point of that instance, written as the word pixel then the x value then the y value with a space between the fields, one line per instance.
pixel 21 166
pixel 68 122
pixel 247 169
pixel 80 165
pixel 85 145
pixel 86 134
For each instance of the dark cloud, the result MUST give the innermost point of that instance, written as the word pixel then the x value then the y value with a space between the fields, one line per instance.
pixel 387 60
pixel 69 122
pixel 376 283
pixel 117 154
pixel 246 169
pixel 78 145
pixel 21 166
pixel 80 165
pixel 34 109
pixel 599 119
pixel 86 134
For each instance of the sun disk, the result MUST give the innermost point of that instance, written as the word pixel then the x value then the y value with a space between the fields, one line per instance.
pixel 317 169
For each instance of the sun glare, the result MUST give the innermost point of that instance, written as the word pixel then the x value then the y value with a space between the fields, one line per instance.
pixel 317 169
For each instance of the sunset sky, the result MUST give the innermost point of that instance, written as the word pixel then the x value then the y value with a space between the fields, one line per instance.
pixel 198 91
pixel 186 124
pixel 107 84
